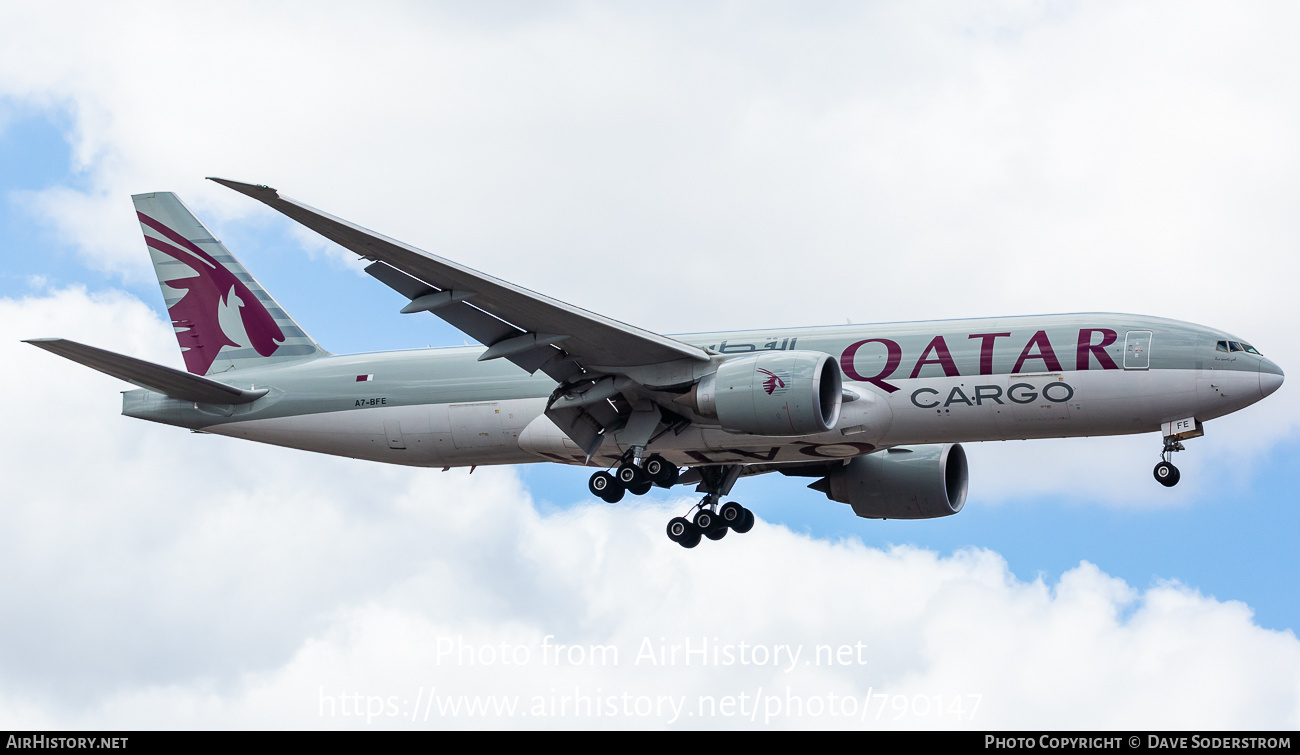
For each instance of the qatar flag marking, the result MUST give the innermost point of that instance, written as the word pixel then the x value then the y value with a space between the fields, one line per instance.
pixel 365 378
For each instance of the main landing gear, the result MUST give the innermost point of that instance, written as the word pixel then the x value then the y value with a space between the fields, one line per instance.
pixel 710 522
pixel 1166 473
pixel 705 519
pixel 710 519
pixel 634 478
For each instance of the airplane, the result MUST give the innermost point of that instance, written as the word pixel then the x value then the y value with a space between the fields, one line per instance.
pixel 874 415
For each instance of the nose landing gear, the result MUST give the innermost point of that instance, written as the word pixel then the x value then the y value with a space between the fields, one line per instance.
pixel 1165 472
pixel 1174 433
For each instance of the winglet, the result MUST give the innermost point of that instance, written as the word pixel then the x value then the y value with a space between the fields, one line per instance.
pixel 260 192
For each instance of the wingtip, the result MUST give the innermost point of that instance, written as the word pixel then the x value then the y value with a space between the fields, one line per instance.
pixel 257 191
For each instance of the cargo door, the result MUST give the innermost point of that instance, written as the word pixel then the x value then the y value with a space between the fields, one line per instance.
pixel 476 425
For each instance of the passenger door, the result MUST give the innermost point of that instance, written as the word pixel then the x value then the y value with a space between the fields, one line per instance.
pixel 1137 350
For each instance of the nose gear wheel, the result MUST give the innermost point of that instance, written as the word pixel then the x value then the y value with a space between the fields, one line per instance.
pixel 1167 474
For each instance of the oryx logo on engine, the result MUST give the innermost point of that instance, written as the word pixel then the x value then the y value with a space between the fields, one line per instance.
pixel 773 382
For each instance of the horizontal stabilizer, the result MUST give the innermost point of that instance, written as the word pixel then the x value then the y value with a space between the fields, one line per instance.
pixel 175 383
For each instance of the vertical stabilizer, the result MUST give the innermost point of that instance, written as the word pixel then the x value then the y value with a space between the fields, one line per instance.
pixel 223 317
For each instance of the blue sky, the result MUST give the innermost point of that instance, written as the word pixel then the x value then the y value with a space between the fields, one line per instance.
pixel 928 172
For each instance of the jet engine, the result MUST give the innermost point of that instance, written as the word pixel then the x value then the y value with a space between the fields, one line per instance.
pixel 777 393
pixel 917 482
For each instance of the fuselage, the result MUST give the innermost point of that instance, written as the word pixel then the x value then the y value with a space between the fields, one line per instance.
pixel 908 383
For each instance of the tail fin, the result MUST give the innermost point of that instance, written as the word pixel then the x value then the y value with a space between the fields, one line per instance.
pixel 223 317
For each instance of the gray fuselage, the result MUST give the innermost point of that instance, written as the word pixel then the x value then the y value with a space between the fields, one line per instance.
pixel 909 383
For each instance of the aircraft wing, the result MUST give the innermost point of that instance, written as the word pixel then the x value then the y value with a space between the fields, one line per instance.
pixel 590 338
pixel 571 345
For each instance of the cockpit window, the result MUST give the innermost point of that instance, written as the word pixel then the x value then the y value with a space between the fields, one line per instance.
pixel 1231 346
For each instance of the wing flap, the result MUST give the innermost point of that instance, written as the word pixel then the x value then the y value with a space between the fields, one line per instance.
pixel 411 288
pixel 474 322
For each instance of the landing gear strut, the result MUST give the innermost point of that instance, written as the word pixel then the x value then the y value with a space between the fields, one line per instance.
pixel 1165 472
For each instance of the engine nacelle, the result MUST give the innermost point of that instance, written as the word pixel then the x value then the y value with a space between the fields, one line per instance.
pixel 916 482
pixel 777 393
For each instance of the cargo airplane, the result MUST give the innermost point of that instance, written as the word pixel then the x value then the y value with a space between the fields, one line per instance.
pixel 873 414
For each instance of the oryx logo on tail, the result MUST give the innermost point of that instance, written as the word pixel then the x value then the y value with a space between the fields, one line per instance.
pixel 197 315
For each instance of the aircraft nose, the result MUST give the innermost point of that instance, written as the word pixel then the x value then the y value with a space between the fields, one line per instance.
pixel 1270 377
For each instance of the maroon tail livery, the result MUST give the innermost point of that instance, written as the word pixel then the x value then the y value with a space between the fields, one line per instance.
pixel 204 289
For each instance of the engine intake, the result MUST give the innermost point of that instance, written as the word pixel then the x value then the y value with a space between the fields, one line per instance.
pixel 917 482
pixel 778 393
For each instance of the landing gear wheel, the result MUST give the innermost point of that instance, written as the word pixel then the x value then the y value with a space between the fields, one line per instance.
pixel 731 514
pixel 630 476
pixel 746 525
pixel 678 529
pixel 710 525
pixel 602 484
pixel 683 533
pixel 613 495
pixel 705 521
pixel 660 471
pixel 641 489
pixel 1167 474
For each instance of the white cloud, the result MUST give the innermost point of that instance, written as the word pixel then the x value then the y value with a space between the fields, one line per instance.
pixel 194 581
pixel 1089 652
pixel 680 167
